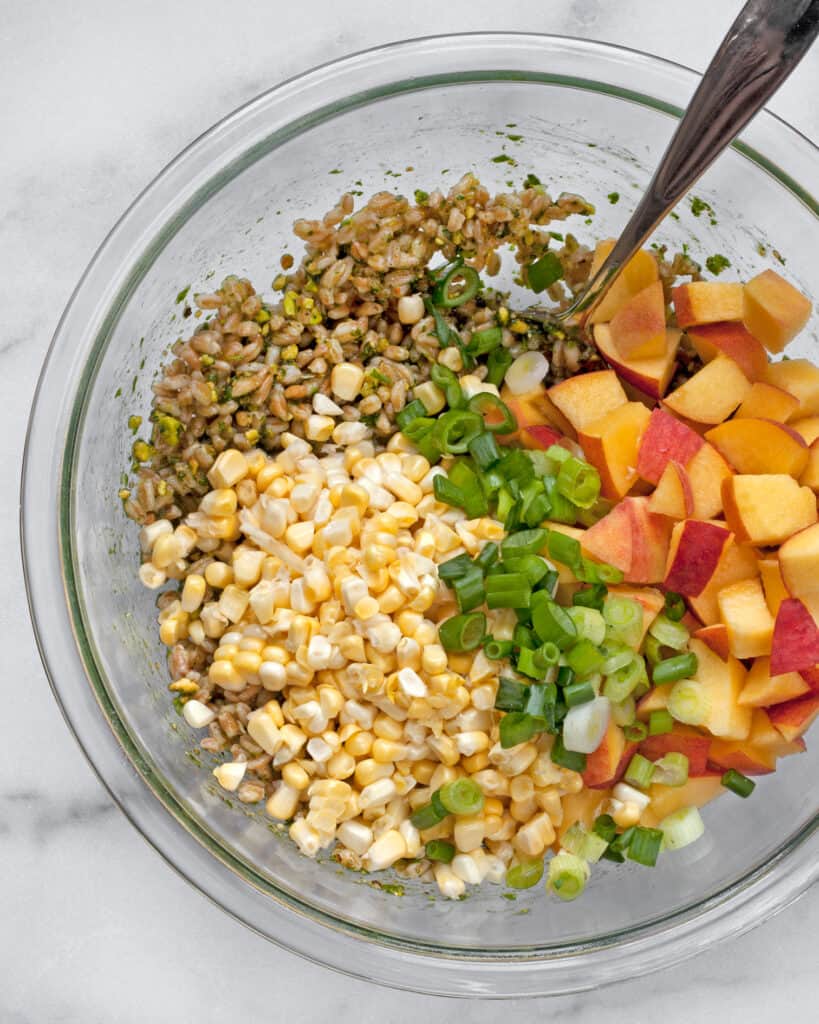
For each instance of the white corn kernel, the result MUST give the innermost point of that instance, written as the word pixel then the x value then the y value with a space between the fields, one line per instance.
pixel 449 884
pixel 386 850
pixel 468 833
pixel 412 838
pixel 411 683
pixel 319 750
pixel 197 714
pixel 376 793
pixel 628 794
pixel 469 743
pixel 150 576
pixel 411 309
pixel 346 380
pixel 319 652
pixel 272 675
pixel 150 534
pixel 464 866
pixel 283 803
pixel 233 602
pixel 325 406
pixel 230 774
pixel 350 433
pixel 319 428
pixel 305 837
pixel 356 836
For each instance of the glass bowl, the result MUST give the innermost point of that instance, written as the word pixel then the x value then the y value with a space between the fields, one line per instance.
pixel 585 118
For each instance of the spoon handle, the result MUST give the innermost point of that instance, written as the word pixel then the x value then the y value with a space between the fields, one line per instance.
pixel 762 47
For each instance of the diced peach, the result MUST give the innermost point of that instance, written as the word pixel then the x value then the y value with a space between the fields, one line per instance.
pixel 799 566
pixel 794 717
pixel 655 700
pixel 666 799
pixel 609 539
pixel 732 340
pixel 766 737
pixel 611 444
pixel 636 275
pixel 694 553
pixel 811 677
pixel 762 689
pixel 795 644
pixel 650 376
pixel 742 756
pixel 767 402
pixel 583 806
pixel 652 601
pixel 534 408
pixel 682 740
pixel 716 637
pixel 766 508
pixel 773 310
pixel 650 537
pixel 706 472
pixel 586 397
pixel 712 394
pixel 750 624
pixel 707 302
pixel 665 438
pixel 760 446
pixel 801 378
pixel 538 435
pixel 673 495
pixel 604 764
pixel 772 583
pixel 807 428
pixel 738 562
pixel 638 327
pixel 810 474
pixel 723 682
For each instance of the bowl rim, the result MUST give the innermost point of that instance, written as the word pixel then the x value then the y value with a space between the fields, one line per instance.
pixel 725 912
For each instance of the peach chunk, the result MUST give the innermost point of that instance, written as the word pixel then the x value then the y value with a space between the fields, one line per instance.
pixel 666 799
pixel 810 474
pixel 707 302
pixel 762 689
pixel 683 740
pixel 650 537
pixel 694 554
pixel 768 402
pixel 636 275
pixel 760 446
pixel 723 682
pixel 807 428
pixel 673 495
pixel 611 443
pixel 638 328
pixel 706 472
pixel 732 340
pixel 586 397
pixel 799 566
pixel 609 539
pixel 773 310
pixel 649 376
pixel 801 378
pixel 738 562
pixel 716 637
pixel 533 408
pixel 794 717
pixel 795 644
pixel 772 583
pixel 665 438
pixel 766 508
pixel 602 766
pixel 712 394
pixel 744 611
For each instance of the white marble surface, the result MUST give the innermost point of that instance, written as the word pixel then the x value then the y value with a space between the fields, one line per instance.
pixel 97 96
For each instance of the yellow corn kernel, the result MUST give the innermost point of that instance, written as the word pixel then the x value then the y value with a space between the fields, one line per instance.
pixel 522 810
pixel 267 474
pixel 408 622
pixel 360 744
pixel 476 762
pixel 387 728
pixel 282 805
pixel 369 770
pixel 299 537
pixel 460 663
pixel 414 467
pixel 352 647
pixel 218 575
pixel 366 608
pixel 548 800
pixel 483 697
pixel 422 771
pixel 346 380
pixel 390 600
pixel 433 659
pixel 295 776
pixel 228 469
pixel 341 765
pixel 351 496
pixel 626 815
pixel 221 502
pixel 445 748
pixel 273 652
pixel 193 592
pixel 493 824
pixel 419 709
pixel 404 514
pixel 533 838
pixel 233 602
pixel 280 487
pixel 223 674
pixel 468 833
pixel 256 460
pixel 247 566
pixel 247 662
pixel 443 773
pixel 521 788
pixel 388 751
pixel 426 633
pixel 492 805
pixel 174 629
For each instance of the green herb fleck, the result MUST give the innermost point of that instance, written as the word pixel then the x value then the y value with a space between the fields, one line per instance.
pixel 183 294
pixel 504 158
pixel 515 138
pixel 335 170
pixel 421 196
pixel 509 895
pixel 777 255
pixel 531 180
pixel 717 263
pixel 118 393
pixel 674 215
pixel 613 197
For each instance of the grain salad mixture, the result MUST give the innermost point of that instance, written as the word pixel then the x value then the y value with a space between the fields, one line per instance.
pixel 382 518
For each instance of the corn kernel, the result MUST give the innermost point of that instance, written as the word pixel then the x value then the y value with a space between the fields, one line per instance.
pixel 346 380
pixel 193 592
pixel 220 502
pixel 228 469
pixel 218 575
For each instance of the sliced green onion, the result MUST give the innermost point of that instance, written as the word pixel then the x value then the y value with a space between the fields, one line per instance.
pixel 462 632
pixel 674 606
pixel 563 511
pixel 578 693
pixel 518 727
pixel 567 875
pixel 428 816
pixel 660 722
pixel 639 772
pixel 541 695
pixel 681 666
pixel 645 845
pixel 469 590
pixel 544 272
pixel 535 505
pixel 668 633
pixel 579 482
pixel 591 597
pixel 508 590
pixel 485 341
pixel 617 656
pixel 527 665
pixel 624 619
pixel 418 428
pixel 605 827
pixel 585 726
pixel 447 381
pixel 442 294
pixel 565 676
pixel 455 568
pixel 563 549
pixel 584 658
pixel 623 712
pixel 608 573
pixel 511 695
pixel 689 702
pixel 621 684
pixel 621 842
pixel 533 567
pixel 524 637
pixel 456 428
pixel 653 650
pixel 589 623
pixel 546 655
pixel 496 415
pixel 439 850
pixel 462 796
pixel 498 362
pixel 671 770
pixel 589 846
pixel 412 411
pixel 484 450
pixel 487 556
pixel 524 874
pixel 738 783
pixel 446 492
pixel 551 622
pixel 497 650
pixel 557 453
pixel 635 732
pixel 466 480
pixel 524 542
pixel 681 828
pixel 570 759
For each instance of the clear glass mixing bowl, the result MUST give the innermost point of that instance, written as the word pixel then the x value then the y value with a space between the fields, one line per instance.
pixel 592 119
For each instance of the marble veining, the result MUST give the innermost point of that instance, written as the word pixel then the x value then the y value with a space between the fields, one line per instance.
pixel 98 96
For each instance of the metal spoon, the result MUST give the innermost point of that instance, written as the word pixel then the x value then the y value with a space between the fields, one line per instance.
pixel 762 47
